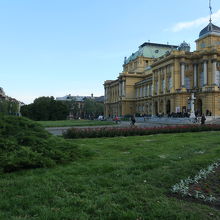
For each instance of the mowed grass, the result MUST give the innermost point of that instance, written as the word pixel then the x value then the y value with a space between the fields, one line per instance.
pixel 69 123
pixel 123 178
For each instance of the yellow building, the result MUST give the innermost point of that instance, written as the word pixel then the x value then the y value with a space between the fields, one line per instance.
pixel 159 79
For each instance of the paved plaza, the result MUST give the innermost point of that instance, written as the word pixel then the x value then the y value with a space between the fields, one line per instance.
pixel 142 123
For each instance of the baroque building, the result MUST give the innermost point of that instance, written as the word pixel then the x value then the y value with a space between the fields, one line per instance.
pixel 160 78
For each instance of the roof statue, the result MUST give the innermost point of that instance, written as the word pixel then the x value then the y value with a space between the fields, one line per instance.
pixel 210 7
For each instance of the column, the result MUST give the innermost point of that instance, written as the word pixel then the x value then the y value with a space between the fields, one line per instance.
pixel 152 109
pixel 205 72
pixel 123 88
pixel 106 96
pixel 152 88
pixel 195 66
pixel 182 75
pixel 157 86
pixel 164 106
pixel 214 78
pixel 172 77
pixel 159 83
pixel 165 80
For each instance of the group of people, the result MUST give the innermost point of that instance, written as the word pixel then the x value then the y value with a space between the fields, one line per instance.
pixel 116 119
pixel 133 120
pixel 200 120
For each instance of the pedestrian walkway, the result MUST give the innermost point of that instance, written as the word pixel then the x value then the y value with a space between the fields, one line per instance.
pixel 141 122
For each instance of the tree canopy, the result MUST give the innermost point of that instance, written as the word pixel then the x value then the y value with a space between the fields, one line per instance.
pixel 45 108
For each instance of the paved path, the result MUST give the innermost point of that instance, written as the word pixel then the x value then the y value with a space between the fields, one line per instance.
pixel 125 124
pixel 140 122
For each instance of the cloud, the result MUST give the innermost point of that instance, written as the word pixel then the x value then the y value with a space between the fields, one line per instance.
pixel 196 23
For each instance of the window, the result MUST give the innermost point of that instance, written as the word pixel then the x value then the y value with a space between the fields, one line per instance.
pixel 187 82
pixel 163 85
pixel 170 82
pixel 202 45
pixel 140 91
pixel 150 90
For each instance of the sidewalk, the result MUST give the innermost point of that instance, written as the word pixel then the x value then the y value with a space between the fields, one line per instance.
pixel 141 122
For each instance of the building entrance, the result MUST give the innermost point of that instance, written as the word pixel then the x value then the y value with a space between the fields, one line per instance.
pixel 168 107
pixel 156 108
pixel 199 107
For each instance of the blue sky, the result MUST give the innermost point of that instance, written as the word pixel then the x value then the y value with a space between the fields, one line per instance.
pixel 60 47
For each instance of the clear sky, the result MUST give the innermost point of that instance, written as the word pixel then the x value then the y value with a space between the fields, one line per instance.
pixel 60 47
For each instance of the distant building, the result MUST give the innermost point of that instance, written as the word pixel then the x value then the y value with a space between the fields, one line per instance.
pixel 79 100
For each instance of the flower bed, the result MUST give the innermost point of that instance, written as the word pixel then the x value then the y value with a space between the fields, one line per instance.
pixel 204 186
pixel 114 132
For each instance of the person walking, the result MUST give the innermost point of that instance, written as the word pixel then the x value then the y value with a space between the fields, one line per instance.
pixel 203 119
pixel 116 119
pixel 133 120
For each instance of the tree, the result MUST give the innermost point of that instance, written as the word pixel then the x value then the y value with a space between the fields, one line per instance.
pixel 92 108
pixel 73 108
pixel 9 107
pixel 45 108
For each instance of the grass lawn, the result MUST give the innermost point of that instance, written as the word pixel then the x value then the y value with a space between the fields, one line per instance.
pixel 123 178
pixel 69 123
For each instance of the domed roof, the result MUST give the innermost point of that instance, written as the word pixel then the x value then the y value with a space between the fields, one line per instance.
pixel 184 47
pixel 210 28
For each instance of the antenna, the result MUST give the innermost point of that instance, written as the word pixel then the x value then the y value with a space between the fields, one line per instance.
pixel 210 7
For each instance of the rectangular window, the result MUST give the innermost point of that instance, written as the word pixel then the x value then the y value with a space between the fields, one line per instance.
pixel 150 90
pixel 163 85
pixel 187 82
pixel 170 82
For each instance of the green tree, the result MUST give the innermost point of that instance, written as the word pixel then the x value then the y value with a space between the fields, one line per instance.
pixel 45 108
pixel 8 107
pixel 93 108
pixel 73 108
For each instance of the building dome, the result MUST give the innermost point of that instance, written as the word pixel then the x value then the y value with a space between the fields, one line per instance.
pixel 184 47
pixel 210 29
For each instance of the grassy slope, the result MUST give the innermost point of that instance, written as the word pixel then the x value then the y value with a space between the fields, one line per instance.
pixel 127 178
pixel 68 123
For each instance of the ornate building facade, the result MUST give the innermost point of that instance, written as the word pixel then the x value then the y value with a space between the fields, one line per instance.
pixel 159 79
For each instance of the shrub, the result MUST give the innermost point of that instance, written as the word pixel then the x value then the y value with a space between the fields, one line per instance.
pixel 113 132
pixel 25 144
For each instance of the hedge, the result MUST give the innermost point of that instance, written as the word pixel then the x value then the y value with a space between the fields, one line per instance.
pixel 132 131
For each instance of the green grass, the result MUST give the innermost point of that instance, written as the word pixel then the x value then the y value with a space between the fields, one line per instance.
pixel 126 178
pixel 69 123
